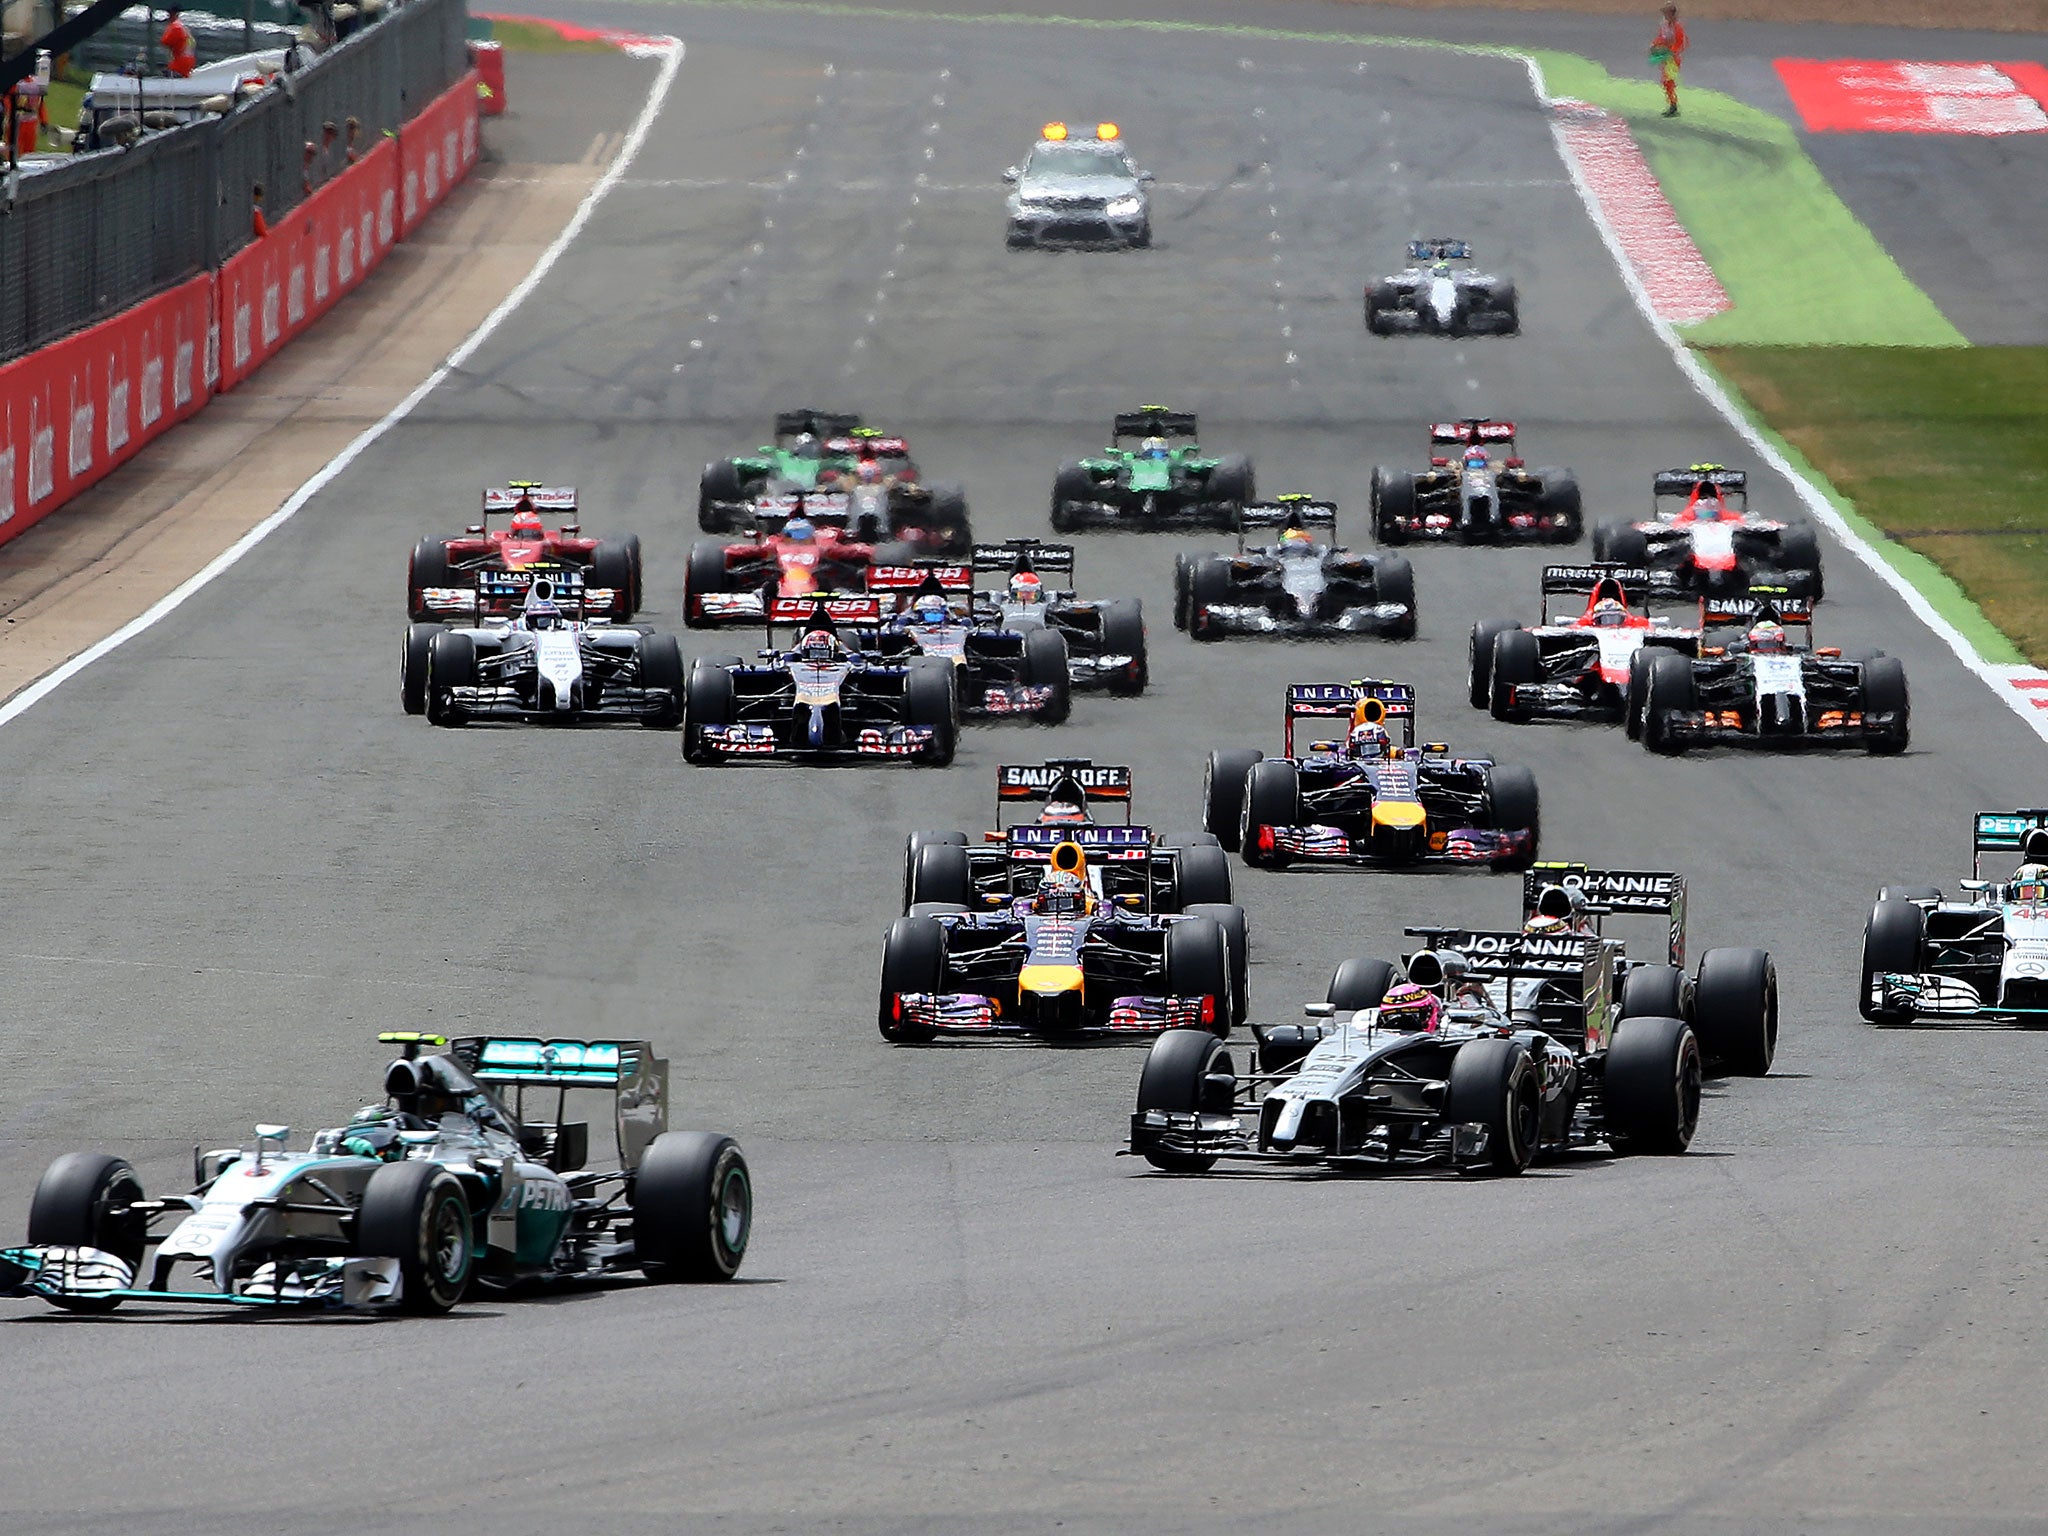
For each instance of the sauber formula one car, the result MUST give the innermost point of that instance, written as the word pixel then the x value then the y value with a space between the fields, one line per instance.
pixel 549 662
pixel 1982 955
pixel 1710 541
pixel 863 478
pixel 441 1189
pixel 1588 664
pixel 1479 492
pixel 1077 189
pixel 1771 688
pixel 1152 476
pixel 1365 798
pixel 1062 962
pixel 1297 586
pixel 1105 636
pixel 441 580
pixel 1432 295
pixel 821 700
pixel 793 554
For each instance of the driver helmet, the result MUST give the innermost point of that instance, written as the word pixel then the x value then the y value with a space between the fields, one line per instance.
pixel 820 647
pixel 868 472
pixel 542 614
pixel 2029 883
pixel 1767 637
pixel 372 1131
pixel 1609 612
pixel 526 523
pixel 1559 909
pixel 1409 1007
pixel 1296 541
pixel 1441 268
pixel 930 609
pixel 1063 813
pixel 1027 588
pixel 1061 893
pixel 805 447
pixel 1475 457
pixel 1370 739
pixel 1152 448
pixel 799 530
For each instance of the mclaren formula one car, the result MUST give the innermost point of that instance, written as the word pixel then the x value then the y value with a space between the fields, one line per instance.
pixel 864 478
pixel 1366 798
pixel 1436 295
pixel 1477 490
pixel 1105 636
pixel 442 1189
pixel 1152 475
pixel 1299 586
pixel 1705 536
pixel 441 581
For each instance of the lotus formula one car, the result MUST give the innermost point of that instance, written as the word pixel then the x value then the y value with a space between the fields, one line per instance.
pixel 1366 798
pixel 1432 295
pixel 438 1191
pixel 1706 537
pixel 1297 586
pixel 441 582
pixel 1105 636
pixel 1153 475
pixel 1478 492
pixel 861 478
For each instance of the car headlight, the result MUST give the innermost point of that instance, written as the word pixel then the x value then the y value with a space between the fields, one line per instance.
pixel 1125 207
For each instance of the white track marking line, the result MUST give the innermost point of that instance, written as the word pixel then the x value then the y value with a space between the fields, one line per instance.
pixel 670 51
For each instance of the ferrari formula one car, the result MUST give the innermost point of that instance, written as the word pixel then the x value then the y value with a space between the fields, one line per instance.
pixel 1473 497
pixel 1017 672
pixel 1152 475
pixel 864 478
pixel 440 1190
pixel 1982 955
pixel 1435 296
pixel 1366 798
pixel 1297 586
pixel 550 662
pixel 1706 537
pixel 799 550
pixel 1592 664
pixel 441 582
pixel 1105 636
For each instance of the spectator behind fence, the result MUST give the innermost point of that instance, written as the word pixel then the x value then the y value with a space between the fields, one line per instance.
pixel 177 41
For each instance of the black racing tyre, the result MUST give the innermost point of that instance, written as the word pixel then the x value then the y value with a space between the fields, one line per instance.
pixel 1735 1010
pixel 1621 543
pixel 707 700
pixel 1561 501
pixel 1507 305
pixel 1183 563
pixel 1232 481
pixel 611 565
pixel 1223 784
pixel 1393 502
pixel 931 693
pixel 1046 666
pixel 1394 582
pixel 720 483
pixel 1479 658
pixel 1894 942
pixel 1884 688
pixel 427 568
pixel 1208 585
pixel 416 1213
pixel 1203 875
pixel 1493 1083
pixel 706 573
pixel 1513 805
pixel 1670 691
pixel 636 565
pixel 1517 660
pixel 1272 798
pixel 1229 916
pixel 1909 893
pixel 412 666
pixel 1650 1089
pixel 661 666
pixel 451 663
pixel 1799 550
pixel 1123 634
pixel 1204 840
pixel 914 844
pixel 83 1200
pixel 1638 691
pixel 1198 965
pixel 1177 1078
pixel 1380 300
pixel 693 1207
pixel 941 874
pixel 947 517
pixel 1360 982
pixel 913 960
pixel 1073 484
pixel 1654 992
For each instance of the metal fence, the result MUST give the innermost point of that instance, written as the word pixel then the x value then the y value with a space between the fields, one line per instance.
pixel 92 236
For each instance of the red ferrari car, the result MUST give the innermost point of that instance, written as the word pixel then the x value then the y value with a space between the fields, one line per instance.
pixel 441 580
pixel 730 583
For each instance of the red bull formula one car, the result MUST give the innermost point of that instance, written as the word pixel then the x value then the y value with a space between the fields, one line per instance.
pixel 441 580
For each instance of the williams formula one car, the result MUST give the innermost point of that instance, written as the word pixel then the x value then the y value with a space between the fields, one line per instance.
pixel 1710 542
pixel 441 582
pixel 1434 295
pixel 1297 586
pixel 1477 492
pixel 864 478
pixel 1153 475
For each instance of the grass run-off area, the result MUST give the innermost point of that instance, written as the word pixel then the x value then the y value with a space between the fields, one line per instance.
pixel 1945 449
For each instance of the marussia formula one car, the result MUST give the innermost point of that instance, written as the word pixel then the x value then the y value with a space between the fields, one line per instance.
pixel 1592 664
pixel 1105 636
pixel 548 662
pixel 1062 962
pixel 1365 798
pixel 1152 475
pixel 1710 542
pixel 1432 295
pixel 1984 955
pixel 1473 497
pixel 865 478
pixel 440 1190
pixel 1771 688
pixel 441 581
pixel 1008 672
pixel 821 700
pixel 1297 586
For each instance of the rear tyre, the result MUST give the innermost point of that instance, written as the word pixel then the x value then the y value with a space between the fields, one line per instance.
pixel 1231 482
pixel 941 874
pixel 1176 1079
pixel 1183 563
pixel 1638 692
pixel 1884 689
pixel 931 694
pixel 1380 301
pixel 1894 941
pixel 412 666
pixel 83 1200
pixel 1651 1086
pixel 1670 692
pixel 1517 662
pixel 1208 586
pixel 1561 502
pixel 417 1214
pixel 913 960
pixel 1514 806
pixel 1046 666
pixel 1621 543
pixel 1072 487
pixel 1393 504
pixel 611 565
pixel 1237 950
pixel 1479 659
pixel 661 666
pixel 1204 876
pixel 1654 992
pixel 451 663
pixel 706 574
pixel 428 568
pixel 707 700
pixel 915 844
pixel 1198 965
pixel 1493 1083
pixel 1223 784
pixel 1360 982
pixel 1799 550
pixel 720 483
pixel 693 1207
pixel 1123 634
pixel 1272 798
pixel 1735 1010
pixel 1394 582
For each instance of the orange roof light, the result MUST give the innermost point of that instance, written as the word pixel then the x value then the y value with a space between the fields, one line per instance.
pixel 1055 131
pixel 1105 130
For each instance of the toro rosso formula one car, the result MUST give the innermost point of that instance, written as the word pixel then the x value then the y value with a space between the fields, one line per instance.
pixel 1152 475
pixel 440 1190
pixel 1300 586
pixel 1433 295
pixel 865 478
pixel 1366 798
pixel 1706 537
pixel 1020 672
pixel 1105 636
pixel 441 582
pixel 1477 490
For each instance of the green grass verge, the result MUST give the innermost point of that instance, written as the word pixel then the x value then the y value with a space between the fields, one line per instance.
pixel 64 101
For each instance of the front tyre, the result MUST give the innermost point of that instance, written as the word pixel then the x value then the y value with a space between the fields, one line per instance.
pixel 1493 1084
pixel 693 1207
pixel 1651 1086
pixel 417 1214
pixel 1177 1079
pixel 86 1200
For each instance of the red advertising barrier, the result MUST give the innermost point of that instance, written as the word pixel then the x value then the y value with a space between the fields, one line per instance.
pixel 436 150
pixel 73 410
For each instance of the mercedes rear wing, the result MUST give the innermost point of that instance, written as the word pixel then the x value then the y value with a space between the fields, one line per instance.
pixel 2020 835
pixel 1394 705
pixel 1286 512
pixel 636 1078
pixel 1733 484
pixel 1622 892
pixel 823 425
pixel 1015 555
pixel 1439 248
pixel 1152 421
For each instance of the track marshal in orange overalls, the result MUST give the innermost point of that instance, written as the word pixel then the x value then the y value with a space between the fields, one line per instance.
pixel 1667 52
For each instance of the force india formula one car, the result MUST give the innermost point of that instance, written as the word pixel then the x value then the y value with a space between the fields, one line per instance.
pixel 441 582
pixel 1063 962
pixel 1712 542
pixel 412 1204
pixel 549 662
pixel 1296 587
pixel 864 479
pixel 820 700
pixel 1076 190
pixel 1984 955
pixel 1153 475
pixel 1366 799
pixel 1588 665
pixel 1470 496
pixel 1432 295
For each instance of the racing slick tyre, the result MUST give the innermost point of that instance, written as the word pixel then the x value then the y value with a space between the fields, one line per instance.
pixel 720 483
pixel 1670 691
pixel 1561 502
pixel 693 1207
pixel 1493 1083
pixel 1272 798
pixel 1186 1071
pixel 1123 634
pixel 707 700
pixel 1237 948
pixel 412 666
pixel 1884 689
pixel 417 1214
pixel 706 574
pixel 1654 992
pixel 1394 582
pixel 611 565
pixel 83 1200
pixel 916 843
pixel 1517 662
pixel 1223 784
pixel 637 566
pixel 1393 503
pixel 1650 1089
pixel 661 666
pixel 1621 543
pixel 1072 485
pixel 1202 876
pixel 931 695
pixel 1198 965
pixel 1638 692
pixel 1046 666
pixel 1505 311
pixel 1735 1010
pixel 1909 893
pixel 1208 586
pixel 1380 301
pixel 913 960
pixel 1183 563
pixel 451 663
pixel 941 874
pixel 1360 982
pixel 1893 942
pixel 1513 805
pixel 1479 658
pixel 1232 482
pixel 428 568
pixel 947 522
pixel 1799 550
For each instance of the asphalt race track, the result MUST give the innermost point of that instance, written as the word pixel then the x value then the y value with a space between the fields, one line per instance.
pixel 233 860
